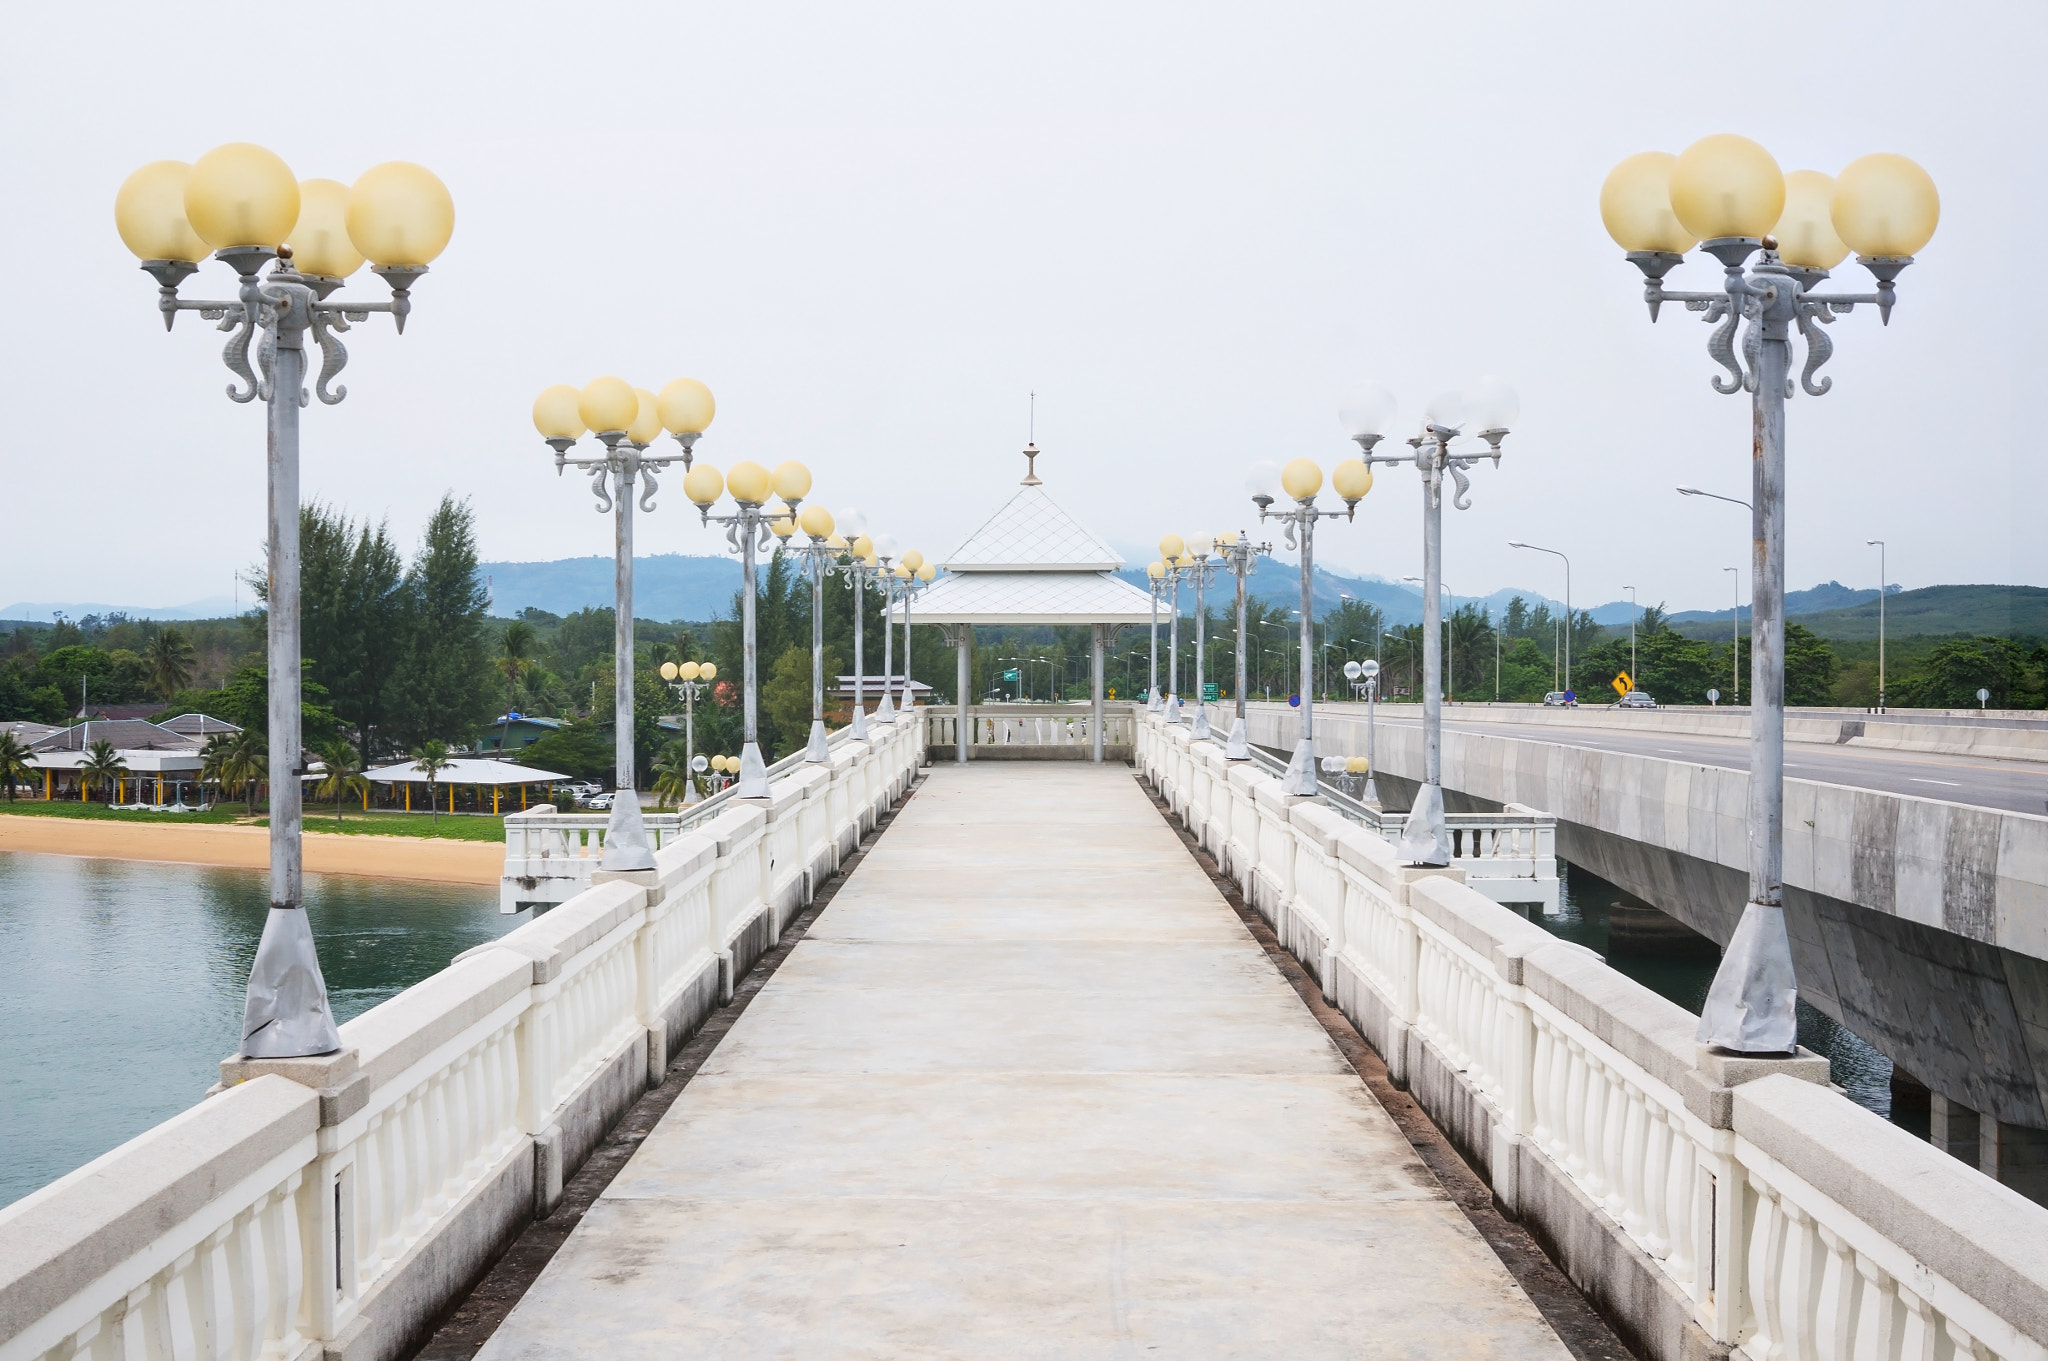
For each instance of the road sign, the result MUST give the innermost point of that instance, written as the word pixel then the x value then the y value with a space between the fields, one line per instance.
pixel 1622 684
pixel 1211 692
pixel 1294 701
pixel 1011 674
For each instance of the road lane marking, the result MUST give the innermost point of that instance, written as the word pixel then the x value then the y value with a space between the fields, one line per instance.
pixel 1952 784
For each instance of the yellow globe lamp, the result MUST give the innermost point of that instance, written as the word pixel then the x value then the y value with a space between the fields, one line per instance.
pixel 1806 229
pixel 1635 205
pixel 400 214
pixel 686 407
pixel 1351 480
pixel 792 480
pixel 902 573
pixel 149 212
pixel 668 671
pixel 1226 537
pixel 913 559
pixel 703 484
pixel 927 572
pixel 241 195
pixel 1172 546
pixel 749 482
pixel 1184 561
pixel 1725 185
pixel 817 522
pixel 1885 206
pixel 320 242
pixel 708 671
pixel 688 671
pixel 862 546
pixel 782 526
pixel 557 413
pixel 718 764
pixel 1155 570
pixel 1302 479
pixel 645 427
pixel 607 404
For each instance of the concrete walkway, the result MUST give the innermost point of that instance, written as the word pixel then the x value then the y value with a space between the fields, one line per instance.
pixel 1027 1089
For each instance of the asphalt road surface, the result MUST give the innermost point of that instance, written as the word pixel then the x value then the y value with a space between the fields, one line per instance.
pixel 2016 786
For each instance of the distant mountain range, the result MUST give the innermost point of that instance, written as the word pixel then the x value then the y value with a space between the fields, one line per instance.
pixel 672 586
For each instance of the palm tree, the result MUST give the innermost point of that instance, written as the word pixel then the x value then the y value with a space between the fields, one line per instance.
pixel 213 763
pixel 514 657
pixel 344 772
pixel 169 659
pixel 247 758
pixel 671 775
pixel 432 759
pixel 102 766
pixel 15 763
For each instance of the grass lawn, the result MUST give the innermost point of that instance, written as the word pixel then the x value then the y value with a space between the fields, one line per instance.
pixel 356 822
pixel 37 808
pixel 379 822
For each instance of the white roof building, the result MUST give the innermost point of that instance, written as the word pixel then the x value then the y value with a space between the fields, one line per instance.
pixel 1031 563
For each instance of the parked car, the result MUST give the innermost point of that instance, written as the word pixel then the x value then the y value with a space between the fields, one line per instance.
pixel 1636 699
pixel 580 789
pixel 1558 699
pixel 600 801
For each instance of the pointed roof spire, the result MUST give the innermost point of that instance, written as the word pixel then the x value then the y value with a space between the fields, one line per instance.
pixel 1031 477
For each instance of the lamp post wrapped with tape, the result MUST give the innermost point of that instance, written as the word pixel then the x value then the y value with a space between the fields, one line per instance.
pixel 1240 558
pixel 242 204
pixel 1442 450
pixel 1726 194
pixel 749 532
pixel 1301 480
pixel 627 421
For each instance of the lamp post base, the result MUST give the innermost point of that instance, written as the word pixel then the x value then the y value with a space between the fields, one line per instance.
pixel 816 750
pixel 1424 839
pixel 1300 779
pixel 1238 747
pixel 885 712
pixel 860 724
pixel 625 836
pixel 1154 703
pixel 1202 721
pixel 753 781
pixel 1751 1004
pixel 287 1016
pixel 1173 708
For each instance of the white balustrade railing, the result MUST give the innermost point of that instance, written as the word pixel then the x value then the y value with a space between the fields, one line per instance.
pixel 335 1205
pixel 1707 1204
pixel 1019 728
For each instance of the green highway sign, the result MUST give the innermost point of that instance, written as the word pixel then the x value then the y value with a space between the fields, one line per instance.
pixel 1211 692
pixel 1011 674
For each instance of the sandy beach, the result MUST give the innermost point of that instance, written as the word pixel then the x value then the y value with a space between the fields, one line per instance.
pixel 389 857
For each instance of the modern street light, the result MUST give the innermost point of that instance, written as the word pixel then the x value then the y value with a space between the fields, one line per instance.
pixel 689 680
pixel 748 533
pixel 1631 633
pixel 1878 544
pixel 1534 548
pixel 628 420
pixel 1450 654
pixel 1300 480
pixel 1735 641
pixel 1490 407
pixel 1728 194
pixel 1240 558
pixel 242 204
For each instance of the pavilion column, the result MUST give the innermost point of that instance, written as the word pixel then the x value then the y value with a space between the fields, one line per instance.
pixel 965 654
pixel 1095 632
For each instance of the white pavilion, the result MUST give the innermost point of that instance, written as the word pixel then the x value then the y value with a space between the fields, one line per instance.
pixel 1031 563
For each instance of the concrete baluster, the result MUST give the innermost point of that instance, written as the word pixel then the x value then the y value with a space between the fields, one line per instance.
pixel 1613 1129
pixel 1800 1278
pixel 1578 1144
pixel 1766 1262
pixel 1679 1200
pixel 1878 1317
pixel 1635 1137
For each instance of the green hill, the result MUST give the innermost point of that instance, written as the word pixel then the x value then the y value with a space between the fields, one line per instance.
pixel 2007 611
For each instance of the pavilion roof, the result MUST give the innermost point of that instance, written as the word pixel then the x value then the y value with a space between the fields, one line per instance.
pixel 1031 532
pixel 464 770
pixel 1031 598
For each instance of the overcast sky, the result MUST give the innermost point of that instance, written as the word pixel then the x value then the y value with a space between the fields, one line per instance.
pixel 874 229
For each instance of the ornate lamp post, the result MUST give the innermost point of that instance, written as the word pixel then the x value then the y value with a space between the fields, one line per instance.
pixel 1155 573
pixel 748 533
pixel 1490 408
pixel 1365 676
pixel 1173 552
pixel 886 567
pixel 1301 480
pixel 1199 570
pixel 820 556
pixel 860 565
pixel 243 204
pixel 628 420
pixel 688 681
pixel 1240 558
pixel 1728 195
pixel 916 576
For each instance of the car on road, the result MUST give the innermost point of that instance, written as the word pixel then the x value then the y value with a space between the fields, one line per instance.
pixel 600 801
pixel 1558 699
pixel 1636 699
